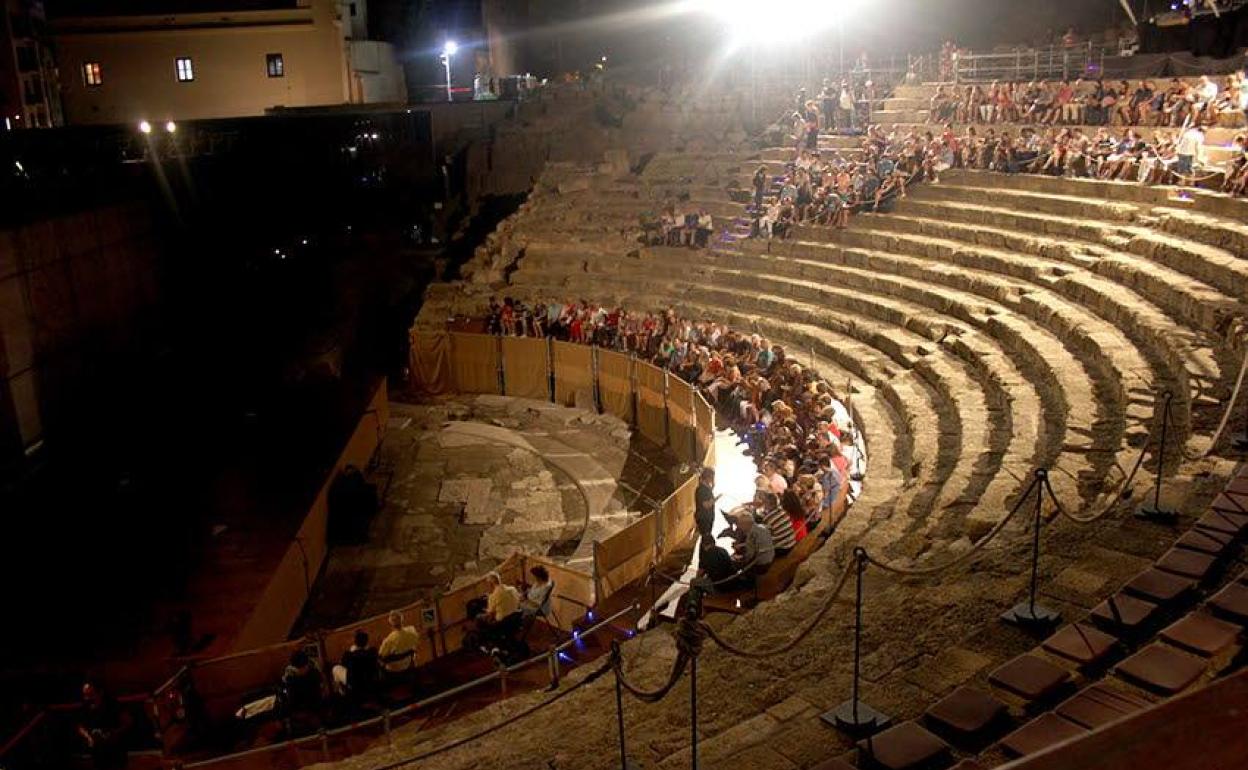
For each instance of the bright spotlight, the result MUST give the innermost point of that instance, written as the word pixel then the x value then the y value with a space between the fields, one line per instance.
pixel 450 48
pixel 171 127
pixel 145 127
pixel 749 21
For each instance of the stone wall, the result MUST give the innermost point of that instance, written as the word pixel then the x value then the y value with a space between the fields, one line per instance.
pixel 72 288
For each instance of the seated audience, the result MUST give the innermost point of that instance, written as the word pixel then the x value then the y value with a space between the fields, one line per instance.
pixel 102 727
pixel 398 649
pixel 755 549
pixel 302 688
pixel 536 601
pixel 358 676
pixel 715 563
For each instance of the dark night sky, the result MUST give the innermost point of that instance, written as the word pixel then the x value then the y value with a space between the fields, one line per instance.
pixel 907 24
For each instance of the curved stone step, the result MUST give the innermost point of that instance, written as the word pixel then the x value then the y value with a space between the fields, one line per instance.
pixel 1221 268
pixel 1031 200
pixel 1145 196
pixel 1204 228
pixel 1014 446
pixel 946 376
pixel 1096 342
pixel 921 435
pixel 1062 383
pixel 1187 354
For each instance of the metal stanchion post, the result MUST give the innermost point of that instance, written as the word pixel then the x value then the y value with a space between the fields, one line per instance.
pixel 698 589
pixel 1028 614
pixel 853 716
pixel 693 713
pixel 619 709
pixel 1155 512
pixel 1239 441
pixel 552 663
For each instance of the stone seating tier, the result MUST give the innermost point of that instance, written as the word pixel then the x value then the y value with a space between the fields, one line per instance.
pixel 762 272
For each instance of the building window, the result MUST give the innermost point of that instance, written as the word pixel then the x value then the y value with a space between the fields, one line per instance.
pixel 91 74
pixel 186 72
pixel 27 59
pixel 276 67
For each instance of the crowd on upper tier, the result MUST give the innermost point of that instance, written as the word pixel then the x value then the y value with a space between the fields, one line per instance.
pixel 1168 157
pixel 824 187
pixel 1177 104
pixel 800 437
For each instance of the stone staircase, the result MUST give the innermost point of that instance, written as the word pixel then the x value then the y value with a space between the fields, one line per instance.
pixel 1175 625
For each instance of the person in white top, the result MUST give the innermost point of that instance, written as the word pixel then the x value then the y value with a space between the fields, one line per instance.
pixel 398 649
pixel 1203 97
pixel 502 600
pixel 1190 149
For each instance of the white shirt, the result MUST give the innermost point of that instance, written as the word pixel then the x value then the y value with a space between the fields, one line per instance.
pixel 1191 143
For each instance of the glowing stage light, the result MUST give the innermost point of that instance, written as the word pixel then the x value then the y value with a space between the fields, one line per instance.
pixel 778 20
pixel 450 48
pixel 145 127
pixel 171 127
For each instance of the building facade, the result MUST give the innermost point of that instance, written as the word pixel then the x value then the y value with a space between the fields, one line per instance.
pixel 218 64
pixel 29 95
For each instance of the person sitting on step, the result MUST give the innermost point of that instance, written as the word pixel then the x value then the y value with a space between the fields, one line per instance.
pixel 398 649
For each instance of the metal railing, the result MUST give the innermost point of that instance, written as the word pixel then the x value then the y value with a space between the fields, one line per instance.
pixel 1086 60
pixel 384 721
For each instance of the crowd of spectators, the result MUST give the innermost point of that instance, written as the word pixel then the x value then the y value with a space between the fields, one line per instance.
pixel 691 228
pixel 825 187
pixel 1168 157
pixel 799 436
pixel 1178 104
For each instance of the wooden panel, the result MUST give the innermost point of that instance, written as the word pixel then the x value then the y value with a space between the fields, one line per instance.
pixel 678 517
pixel 526 372
pixel 651 403
pixel 474 363
pixel 574 372
pixel 625 556
pixel 705 416
pixel 680 426
pixel 615 384
pixel 429 363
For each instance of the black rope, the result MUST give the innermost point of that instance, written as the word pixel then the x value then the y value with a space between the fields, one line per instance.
pixel 592 676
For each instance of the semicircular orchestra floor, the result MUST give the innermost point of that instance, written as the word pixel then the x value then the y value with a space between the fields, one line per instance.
pixel 467 480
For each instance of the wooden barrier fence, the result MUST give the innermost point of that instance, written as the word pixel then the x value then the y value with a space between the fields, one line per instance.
pixel 472 363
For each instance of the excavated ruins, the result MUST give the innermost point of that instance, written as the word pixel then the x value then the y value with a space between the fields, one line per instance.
pixel 990 325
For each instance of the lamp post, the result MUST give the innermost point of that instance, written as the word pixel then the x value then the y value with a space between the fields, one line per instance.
pixel 448 50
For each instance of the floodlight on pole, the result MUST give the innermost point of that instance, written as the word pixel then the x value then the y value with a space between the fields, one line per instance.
pixel 448 50
pixel 171 127
pixel 145 127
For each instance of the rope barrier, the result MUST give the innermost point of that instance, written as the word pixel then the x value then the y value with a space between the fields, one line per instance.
pixel 1226 415
pixel 979 546
pixel 689 636
pixel 590 677
pixel 1118 496
pixel 802 633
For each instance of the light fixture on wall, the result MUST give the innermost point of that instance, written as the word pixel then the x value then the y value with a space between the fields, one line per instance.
pixel 448 50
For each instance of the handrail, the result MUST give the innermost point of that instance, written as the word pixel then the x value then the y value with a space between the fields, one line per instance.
pixel 171 681
pixel 415 705
pixel 21 734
